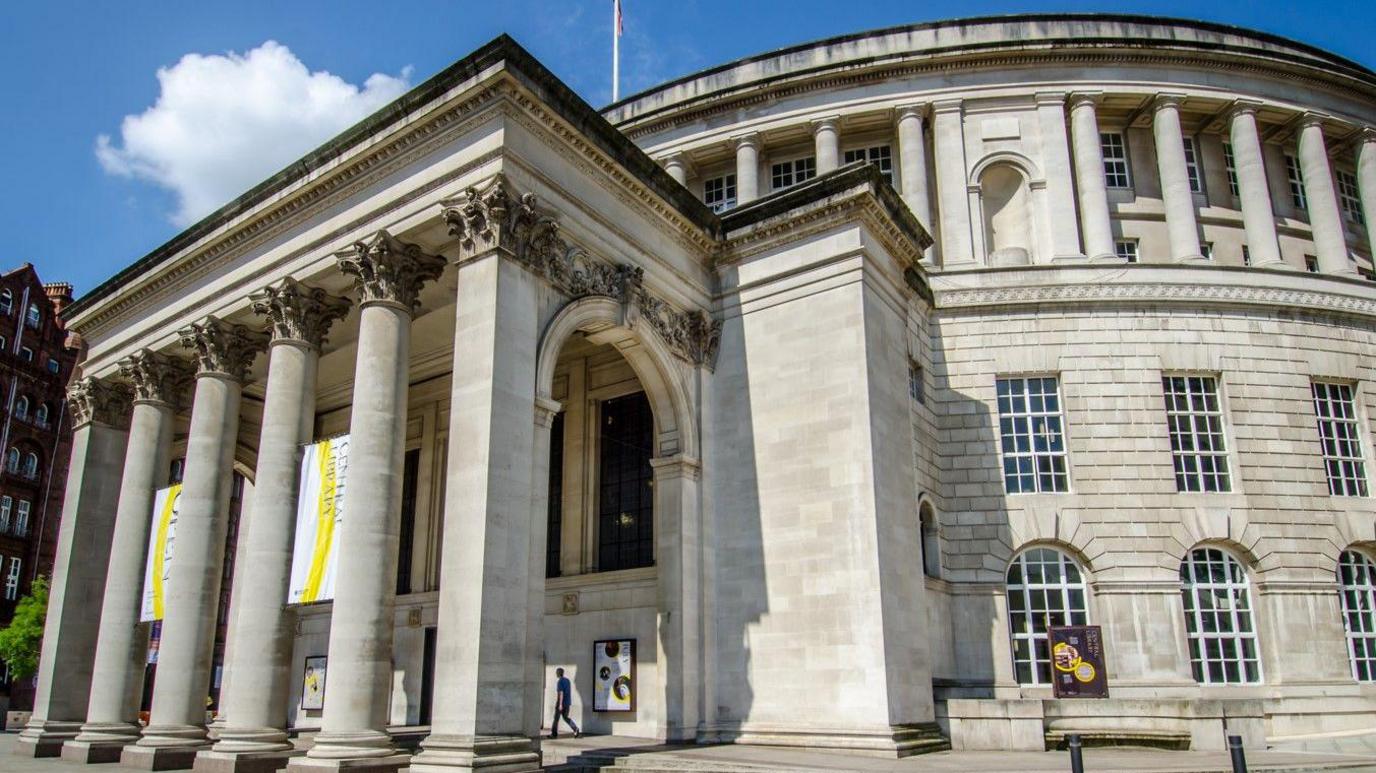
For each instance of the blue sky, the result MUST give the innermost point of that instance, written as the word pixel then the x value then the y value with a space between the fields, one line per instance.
pixel 105 161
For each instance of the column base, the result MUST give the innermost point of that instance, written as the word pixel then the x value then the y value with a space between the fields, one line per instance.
pixel 1108 257
pixel 90 752
pixel 387 764
pixel 160 757
pixel 1193 259
pixel 44 738
pixel 211 761
pixel 488 753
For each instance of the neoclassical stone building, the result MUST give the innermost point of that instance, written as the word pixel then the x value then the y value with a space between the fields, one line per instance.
pixel 830 376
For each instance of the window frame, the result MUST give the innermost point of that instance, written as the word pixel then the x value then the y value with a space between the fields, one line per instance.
pixel 728 184
pixel 6 507
pixel 1131 255
pixel 1349 196
pixel 880 155
pixel 797 167
pixel 33 318
pixel 1197 635
pixel 1116 164
pixel 1219 456
pixel 12 578
pixel 1194 170
pixel 1294 177
pixel 1030 416
pixel 1230 167
pixel 1361 644
pixel 1359 477
pixel 1022 622
pixel 22 509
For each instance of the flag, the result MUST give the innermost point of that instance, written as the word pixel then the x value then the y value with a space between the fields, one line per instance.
pixel 620 20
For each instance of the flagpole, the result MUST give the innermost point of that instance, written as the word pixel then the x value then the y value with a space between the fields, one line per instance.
pixel 616 49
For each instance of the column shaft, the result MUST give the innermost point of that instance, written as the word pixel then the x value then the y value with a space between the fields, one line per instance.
pixel 83 550
pixel 1060 187
pixel 1325 218
pixel 828 145
pixel 1089 176
pixel 912 163
pixel 948 127
pixel 747 169
pixel 678 557
pixel 1258 218
pixel 1181 222
pixel 1366 183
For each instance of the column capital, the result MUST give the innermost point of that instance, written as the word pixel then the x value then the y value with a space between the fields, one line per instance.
pixel 950 105
pixel 679 159
pixel 1243 106
pixel 1049 98
pixel 493 216
pixel 98 401
pixel 916 110
pixel 545 411
pixel 1167 100
pixel 832 122
pixel 388 271
pixel 750 140
pixel 1085 99
pixel 156 378
pixel 297 313
pixel 676 466
pixel 222 348
pixel 1311 118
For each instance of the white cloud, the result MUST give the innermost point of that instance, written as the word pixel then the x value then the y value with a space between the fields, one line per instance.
pixel 224 123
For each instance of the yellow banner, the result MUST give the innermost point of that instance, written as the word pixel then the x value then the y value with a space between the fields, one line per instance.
pixel 161 541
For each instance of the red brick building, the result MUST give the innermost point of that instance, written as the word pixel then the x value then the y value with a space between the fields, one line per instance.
pixel 37 357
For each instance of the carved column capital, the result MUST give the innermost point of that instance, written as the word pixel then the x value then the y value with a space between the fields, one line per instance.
pixel 297 313
pixel 222 348
pixel 155 377
pixel 93 400
pixel 387 270
pixel 494 217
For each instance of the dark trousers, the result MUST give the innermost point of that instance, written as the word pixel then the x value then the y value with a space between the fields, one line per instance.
pixel 554 726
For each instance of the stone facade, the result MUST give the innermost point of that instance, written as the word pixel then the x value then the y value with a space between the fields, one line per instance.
pixel 687 372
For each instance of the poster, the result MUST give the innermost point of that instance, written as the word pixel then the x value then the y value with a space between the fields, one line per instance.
pixel 313 684
pixel 319 513
pixel 161 538
pixel 613 675
pixel 1077 661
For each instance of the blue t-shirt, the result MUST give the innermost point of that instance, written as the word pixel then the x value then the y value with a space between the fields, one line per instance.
pixel 565 690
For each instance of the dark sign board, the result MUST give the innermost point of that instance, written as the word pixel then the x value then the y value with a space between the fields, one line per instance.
pixel 1077 661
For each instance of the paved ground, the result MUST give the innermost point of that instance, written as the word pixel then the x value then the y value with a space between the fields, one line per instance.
pixel 1350 753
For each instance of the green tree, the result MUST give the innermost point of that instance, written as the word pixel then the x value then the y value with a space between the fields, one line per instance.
pixel 21 640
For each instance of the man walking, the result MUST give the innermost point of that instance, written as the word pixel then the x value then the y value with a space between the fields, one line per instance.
pixel 563 697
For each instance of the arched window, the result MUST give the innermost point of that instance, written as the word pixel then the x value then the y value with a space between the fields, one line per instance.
pixel 21 407
pixel 6 301
pixel 931 541
pixel 34 317
pixel 12 460
pixel 1219 618
pixel 1045 588
pixel 1357 588
pixel 31 465
pixel 40 416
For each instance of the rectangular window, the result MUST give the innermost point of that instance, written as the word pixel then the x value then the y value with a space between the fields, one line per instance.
pixel 1231 166
pixel 554 510
pixel 12 580
pixel 1030 425
pixel 719 193
pixel 1246 256
pixel 34 317
pixel 879 155
pixel 21 518
pixel 625 515
pixel 1336 411
pixel 1126 249
pixel 1349 197
pixel 1115 152
pixel 53 365
pixel 6 504
pixel 1196 428
pixel 26 354
pixel 1207 249
pixel 410 479
pixel 1311 264
pixel 917 390
pixel 786 174
pixel 1296 180
pixel 1192 165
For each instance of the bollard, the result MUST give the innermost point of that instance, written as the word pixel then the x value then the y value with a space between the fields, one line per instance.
pixel 1077 760
pixel 1239 758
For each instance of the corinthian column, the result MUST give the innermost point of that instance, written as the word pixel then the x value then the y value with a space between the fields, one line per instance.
pixel 176 728
pixel 1325 219
pixel 1181 222
pixel 389 275
pixel 1258 218
pixel 112 716
pixel 99 410
pixel 262 627
pixel 1089 177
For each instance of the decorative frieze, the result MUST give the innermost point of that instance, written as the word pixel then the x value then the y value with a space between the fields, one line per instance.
pixel 222 348
pixel 156 377
pixel 296 312
pixel 93 400
pixel 387 270
pixel 493 217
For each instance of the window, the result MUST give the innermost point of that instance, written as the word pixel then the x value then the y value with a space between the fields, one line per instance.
pixel 31 465
pixel 1207 249
pixel 1033 443
pixel 26 354
pixel 1349 197
pixel 53 365
pixel 1192 165
pixel 1045 588
pixel 1126 249
pixel 1231 166
pixel 554 515
pixel 917 390
pixel 1115 152
pixel 1218 618
pixel 410 476
pixel 719 193
pixel 1246 256
pixel 1311 264
pixel 1342 447
pixel 625 523
pixel 21 518
pixel 1357 589
pixel 788 173
pixel 12 460
pixel 1196 427
pixel 1296 180
pixel 6 302
pixel 12 580
pixel 40 417
pixel 931 541
pixel 6 504
pixel 21 407
pixel 879 155
pixel 34 317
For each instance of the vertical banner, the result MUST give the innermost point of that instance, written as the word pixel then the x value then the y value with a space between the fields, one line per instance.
pixel 613 662
pixel 319 513
pixel 1077 661
pixel 160 543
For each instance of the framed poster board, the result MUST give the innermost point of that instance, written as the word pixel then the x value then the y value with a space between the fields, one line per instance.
pixel 613 675
pixel 1077 661
pixel 313 684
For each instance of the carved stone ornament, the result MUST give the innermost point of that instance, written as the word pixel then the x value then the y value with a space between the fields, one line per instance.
pixel 156 377
pixel 388 270
pixel 493 217
pixel 296 312
pixel 95 400
pixel 223 347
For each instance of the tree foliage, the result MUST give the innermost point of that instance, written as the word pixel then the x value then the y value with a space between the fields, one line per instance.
pixel 21 640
